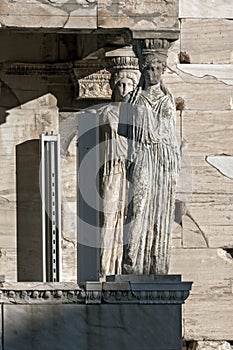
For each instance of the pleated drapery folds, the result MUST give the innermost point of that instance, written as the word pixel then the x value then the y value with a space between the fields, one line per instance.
pixel 148 122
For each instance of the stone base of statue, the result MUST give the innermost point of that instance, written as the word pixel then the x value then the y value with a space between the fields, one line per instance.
pixel 126 312
pixel 136 312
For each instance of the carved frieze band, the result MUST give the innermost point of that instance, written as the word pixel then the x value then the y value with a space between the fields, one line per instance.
pixel 42 296
pixel 91 81
pixel 90 78
pixel 37 68
pixel 97 294
pixel 145 297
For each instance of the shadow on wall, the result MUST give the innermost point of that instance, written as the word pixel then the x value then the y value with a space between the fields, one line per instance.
pixel 29 222
pixel 7 100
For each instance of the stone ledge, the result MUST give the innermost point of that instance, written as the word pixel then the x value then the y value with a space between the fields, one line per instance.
pixel 159 291
pixel 132 289
pixel 40 293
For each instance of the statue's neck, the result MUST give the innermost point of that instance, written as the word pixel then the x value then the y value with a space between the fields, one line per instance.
pixel 155 87
pixel 153 91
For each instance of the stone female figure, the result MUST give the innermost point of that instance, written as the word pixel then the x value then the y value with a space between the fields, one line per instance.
pixel 113 177
pixel 148 122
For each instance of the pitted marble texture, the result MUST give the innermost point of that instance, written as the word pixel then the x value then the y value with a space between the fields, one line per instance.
pixel 48 14
pixel 139 15
pixel 89 14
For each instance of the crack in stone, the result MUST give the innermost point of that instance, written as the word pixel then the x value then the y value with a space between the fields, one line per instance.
pixel 202 74
pixel 4 199
pixel 176 72
pixel 199 228
pixel 69 240
pixel 67 20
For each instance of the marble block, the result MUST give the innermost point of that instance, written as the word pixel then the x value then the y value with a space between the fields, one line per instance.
pixel 132 312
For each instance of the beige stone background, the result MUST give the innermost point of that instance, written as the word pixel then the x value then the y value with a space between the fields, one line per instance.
pixel 203 240
pixel 200 244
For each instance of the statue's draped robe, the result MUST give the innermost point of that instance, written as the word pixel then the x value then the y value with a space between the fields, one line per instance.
pixel 149 125
pixel 113 190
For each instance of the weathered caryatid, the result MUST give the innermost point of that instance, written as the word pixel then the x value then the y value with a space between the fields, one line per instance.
pixel 125 74
pixel 147 120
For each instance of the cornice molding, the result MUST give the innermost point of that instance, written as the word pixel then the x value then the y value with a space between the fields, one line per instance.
pixel 23 68
pixel 115 292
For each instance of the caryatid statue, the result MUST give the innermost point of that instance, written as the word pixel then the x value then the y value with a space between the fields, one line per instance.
pixel 147 120
pixel 125 75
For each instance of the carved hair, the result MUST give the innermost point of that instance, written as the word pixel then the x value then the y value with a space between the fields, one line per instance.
pixel 134 75
pixel 152 59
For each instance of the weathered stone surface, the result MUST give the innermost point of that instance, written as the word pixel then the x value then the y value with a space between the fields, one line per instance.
pixel 47 14
pixel 184 187
pixel 155 15
pixel 210 211
pixel 69 239
pixel 8 262
pixel 209 269
pixel 200 9
pixel 219 235
pixel 173 54
pixel 31 286
pixel 69 260
pixel 22 125
pixel 215 125
pixel 92 327
pixel 200 126
pixel 211 216
pixel 208 317
pixel 192 234
pixel 68 131
pixel 82 19
pixel 210 345
pixel 176 236
pixel 222 72
pixel 224 164
pixel 212 275
pixel 7 222
pixel 212 45
pixel 211 206
pixel 208 95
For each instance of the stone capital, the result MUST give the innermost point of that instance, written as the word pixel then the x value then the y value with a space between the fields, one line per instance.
pixel 148 48
pixel 121 59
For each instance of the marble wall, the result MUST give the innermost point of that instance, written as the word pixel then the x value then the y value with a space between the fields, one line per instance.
pixel 20 201
pixel 203 242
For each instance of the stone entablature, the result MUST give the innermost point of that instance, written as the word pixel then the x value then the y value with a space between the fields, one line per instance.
pixel 159 16
pixel 91 79
pixel 40 293
pixel 23 68
pixel 59 14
